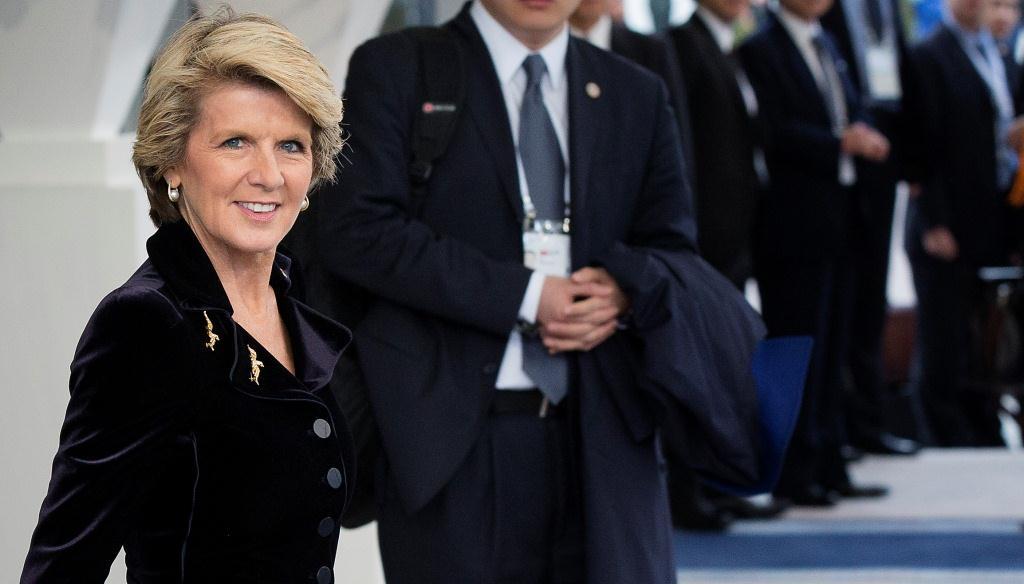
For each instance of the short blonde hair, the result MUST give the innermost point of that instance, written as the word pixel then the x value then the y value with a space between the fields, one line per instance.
pixel 227 47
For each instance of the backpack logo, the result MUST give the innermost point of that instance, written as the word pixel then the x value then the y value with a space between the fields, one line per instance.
pixel 430 107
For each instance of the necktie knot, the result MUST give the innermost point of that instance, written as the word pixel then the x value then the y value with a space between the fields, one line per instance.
pixel 818 40
pixel 824 50
pixel 980 46
pixel 875 18
pixel 535 68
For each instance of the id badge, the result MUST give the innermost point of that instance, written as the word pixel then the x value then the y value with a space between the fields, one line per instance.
pixel 882 72
pixel 547 253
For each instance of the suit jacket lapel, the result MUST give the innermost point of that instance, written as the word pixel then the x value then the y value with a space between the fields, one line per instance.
pixel 799 66
pixel 485 103
pixel 589 115
pixel 966 67
pixel 719 61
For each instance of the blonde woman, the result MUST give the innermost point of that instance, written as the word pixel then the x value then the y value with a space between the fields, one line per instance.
pixel 200 435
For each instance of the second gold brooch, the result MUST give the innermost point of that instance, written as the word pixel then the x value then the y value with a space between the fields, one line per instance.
pixel 256 364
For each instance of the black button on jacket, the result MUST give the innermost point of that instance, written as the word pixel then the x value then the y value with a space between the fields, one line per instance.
pixel 170 450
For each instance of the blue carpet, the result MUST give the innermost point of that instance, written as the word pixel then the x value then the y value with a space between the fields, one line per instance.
pixel 773 551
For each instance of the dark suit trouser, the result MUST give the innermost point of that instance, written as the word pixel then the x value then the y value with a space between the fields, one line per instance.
pixel 948 293
pixel 872 236
pixel 864 403
pixel 810 297
pixel 511 514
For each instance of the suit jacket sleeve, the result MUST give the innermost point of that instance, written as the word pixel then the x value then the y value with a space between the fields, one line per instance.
pixel 129 398
pixel 368 233
pixel 694 331
pixel 663 219
pixel 927 122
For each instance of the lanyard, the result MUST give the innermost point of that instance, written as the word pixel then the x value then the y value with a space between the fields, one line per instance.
pixel 990 71
pixel 886 34
pixel 530 222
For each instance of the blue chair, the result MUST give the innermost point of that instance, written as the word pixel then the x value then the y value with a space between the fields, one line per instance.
pixel 779 367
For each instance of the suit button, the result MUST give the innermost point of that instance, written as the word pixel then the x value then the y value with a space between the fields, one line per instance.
pixel 326 527
pixel 323 575
pixel 490 368
pixel 321 428
pixel 334 478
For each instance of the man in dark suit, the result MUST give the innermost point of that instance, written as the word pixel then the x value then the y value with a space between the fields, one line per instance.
pixel 728 134
pixel 816 132
pixel 966 98
pixel 728 173
pixel 869 36
pixel 498 346
pixel 593 21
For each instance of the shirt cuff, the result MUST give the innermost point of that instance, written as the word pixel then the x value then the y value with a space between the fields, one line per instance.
pixel 847 170
pixel 531 300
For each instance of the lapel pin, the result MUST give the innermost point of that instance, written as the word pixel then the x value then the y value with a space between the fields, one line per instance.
pixel 593 90
pixel 212 337
pixel 256 364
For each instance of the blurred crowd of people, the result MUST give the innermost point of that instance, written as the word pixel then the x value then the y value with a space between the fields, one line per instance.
pixel 801 120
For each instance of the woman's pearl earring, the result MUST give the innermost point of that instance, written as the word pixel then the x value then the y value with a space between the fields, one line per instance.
pixel 173 194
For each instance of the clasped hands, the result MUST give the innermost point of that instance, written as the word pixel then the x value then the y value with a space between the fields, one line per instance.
pixel 1015 134
pixel 860 139
pixel 940 243
pixel 580 312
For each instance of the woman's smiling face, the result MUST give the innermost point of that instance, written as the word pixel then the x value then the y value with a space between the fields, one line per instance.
pixel 246 170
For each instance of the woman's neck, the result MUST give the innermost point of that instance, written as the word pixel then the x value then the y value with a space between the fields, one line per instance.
pixel 245 277
pixel 246 282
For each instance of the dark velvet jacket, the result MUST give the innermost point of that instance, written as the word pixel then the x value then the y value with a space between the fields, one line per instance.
pixel 171 450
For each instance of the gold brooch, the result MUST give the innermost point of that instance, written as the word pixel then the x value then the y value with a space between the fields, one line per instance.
pixel 213 337
pixel 254 374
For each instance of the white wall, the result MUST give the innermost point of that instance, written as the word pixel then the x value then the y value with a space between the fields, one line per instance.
pixel 62 247
pixel 73 220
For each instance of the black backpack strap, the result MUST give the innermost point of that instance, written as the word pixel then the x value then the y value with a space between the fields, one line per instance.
pixel 440 99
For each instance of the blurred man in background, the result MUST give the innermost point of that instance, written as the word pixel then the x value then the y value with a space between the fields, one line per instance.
pixel 869 35
pixel 817 131
pixel 728 135
pixel 729 173
pixel 967 136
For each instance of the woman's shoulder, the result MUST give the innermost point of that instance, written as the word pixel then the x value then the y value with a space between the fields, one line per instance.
pixel 139 308
pixel 134 353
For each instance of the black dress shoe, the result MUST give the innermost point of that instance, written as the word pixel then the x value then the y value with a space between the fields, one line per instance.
pixel 699 513
pixel 889 444
pixel 812 495
pixel 709 521
pixel 852 491
pixel 851 453
pixel 744 509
